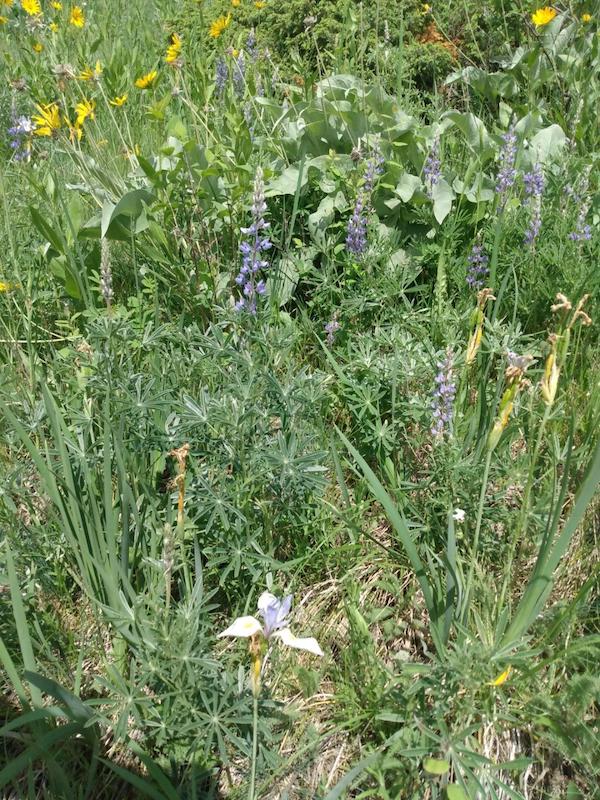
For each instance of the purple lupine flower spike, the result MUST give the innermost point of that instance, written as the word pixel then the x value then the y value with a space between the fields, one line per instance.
pixel 252 250
pixel 507 173
pixel 534 188
pixel 356 237
pixel 251 45
pixel 331 328
pixel 583 231
pixel 431 169
pixel 21 132
pixel 239 75
pixel 478 267
pixel 443 397
pixel 221 76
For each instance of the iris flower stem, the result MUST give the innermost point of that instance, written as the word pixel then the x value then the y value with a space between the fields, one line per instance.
pixel 251 789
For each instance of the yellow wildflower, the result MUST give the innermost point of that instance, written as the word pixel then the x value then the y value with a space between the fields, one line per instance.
pixel 76 17
pixel 146 80
pixel 7 3
pixel 586 18
pixel 219 25
pixel 47 121
pixel 4 287
pixel 174 48
pixel 55 4
pixel 235 3
pixel 543 16
pixel 119 101
pixel 37 47
pixel 88 74
pixel 31 7
pixel 501 678
pixel 3 20
pixel 85 110
pixel 259 4
pixel 53 27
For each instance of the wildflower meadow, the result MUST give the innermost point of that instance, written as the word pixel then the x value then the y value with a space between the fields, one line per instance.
pixel 299 400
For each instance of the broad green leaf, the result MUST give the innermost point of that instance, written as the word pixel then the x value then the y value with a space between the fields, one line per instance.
pixel 407 186
pixel 548 143
pixel 286 183
pixel 442 200
pixel 50 235
pixel 475 132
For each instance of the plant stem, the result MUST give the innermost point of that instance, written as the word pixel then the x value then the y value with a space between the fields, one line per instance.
pixel 519 529
pixel 251 789
pixel 475 545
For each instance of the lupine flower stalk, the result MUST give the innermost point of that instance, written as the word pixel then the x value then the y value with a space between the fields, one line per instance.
pixel 583 231
pixel 21 133
pixel 478 266
pixel 252 250
pixel 534 189
pixel 507 173
pixel 239 75
pixel 221 76
pixel 431 169
pixel 331 328
pixel 443 397
pixel 356 237
pixel 251 45
pixel 106 283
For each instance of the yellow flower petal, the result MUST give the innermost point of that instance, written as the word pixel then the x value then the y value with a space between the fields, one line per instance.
pixel 146 80
pixel 502 678
pixel 543 16
pixel 31 7
pixel 219 25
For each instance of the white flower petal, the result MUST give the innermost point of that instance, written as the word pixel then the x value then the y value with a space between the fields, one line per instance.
pixel 309 644
pixel 242 626
pixel 267 599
